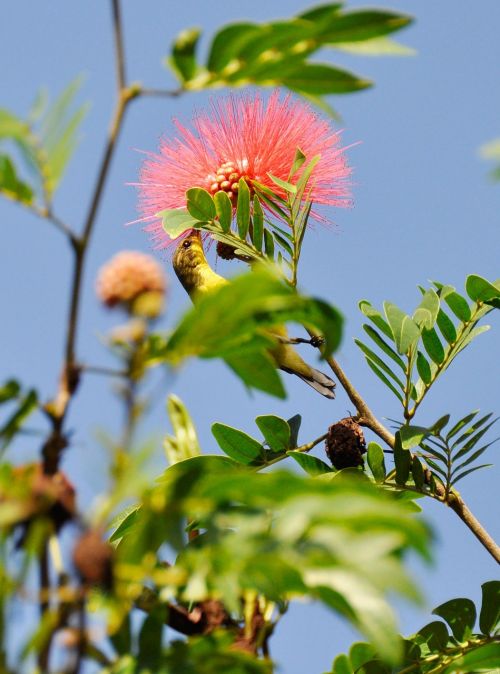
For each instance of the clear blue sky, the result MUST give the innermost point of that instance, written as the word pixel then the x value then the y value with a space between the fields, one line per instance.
pixel 424 209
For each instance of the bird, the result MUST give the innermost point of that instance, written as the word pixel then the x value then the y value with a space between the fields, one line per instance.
pixel 199 279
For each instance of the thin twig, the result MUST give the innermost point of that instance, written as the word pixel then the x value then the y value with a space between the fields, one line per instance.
pixel 160 93
pixel 44 604
pixel 70 372
pixel 105 371
pixel 47 214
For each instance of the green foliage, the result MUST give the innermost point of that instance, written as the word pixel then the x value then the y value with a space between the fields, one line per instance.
pixel 235 322
pixel 24 404
pixel 491 152
pixel 411 352
pixel 210 654
pixel 277 53
pixel 45 141
pixel 451 458
pixel 440 648
pixel 184 443
pixel 279 535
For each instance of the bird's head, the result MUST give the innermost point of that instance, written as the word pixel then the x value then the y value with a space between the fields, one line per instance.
pixel 189 253
pixel 188 256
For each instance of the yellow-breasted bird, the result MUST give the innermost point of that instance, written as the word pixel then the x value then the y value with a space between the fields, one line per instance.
pixel 198 278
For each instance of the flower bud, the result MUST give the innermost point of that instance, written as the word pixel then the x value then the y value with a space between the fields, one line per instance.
pixel 134 281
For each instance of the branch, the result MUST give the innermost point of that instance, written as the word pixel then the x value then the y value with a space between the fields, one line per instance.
pixel 58 408
pixel 369 420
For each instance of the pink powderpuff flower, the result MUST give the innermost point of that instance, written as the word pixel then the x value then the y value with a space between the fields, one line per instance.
pixel 241 138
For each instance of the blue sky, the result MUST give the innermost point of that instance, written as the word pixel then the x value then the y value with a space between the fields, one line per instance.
pixel 424 209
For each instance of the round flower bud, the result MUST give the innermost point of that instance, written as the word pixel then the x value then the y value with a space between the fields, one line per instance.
pixel 133 280
pixel 345 444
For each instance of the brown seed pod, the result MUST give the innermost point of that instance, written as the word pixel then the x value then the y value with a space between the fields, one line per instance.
pixel 225 251
pixel 93 558
pixel 345 444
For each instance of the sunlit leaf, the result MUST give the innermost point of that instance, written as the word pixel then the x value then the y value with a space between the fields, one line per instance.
pixel 237 444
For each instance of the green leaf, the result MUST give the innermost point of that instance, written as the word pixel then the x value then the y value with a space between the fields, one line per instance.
pixel 224 210
pixel 384 379
pixel 11 185
pixel 237 444
pixel 15 421
pixel 341 665
pixel 243 209
pixel 311 464
pixel 276 432
pixel 200 204
pixel 404 329
pixel 423 368
pixel 411 436
pixel 484 658
pixel 382 344
pixel 122 638
pixel 376 46
pixel 183 57
pixel 435 635
pixel 360 653
pixel 471 470
pixel 433 346
pixel 375 457
pixel 227 44
pixel 176 221
pixel 294 425
pixel 460 614
pixel 59 133
pixel 298 161
pixel 9 390
pixel 417 472
pixel 460 424
pixel 489 617
pixel 427 311
pixel 321 78
pixel 184 443
pixel 402 461
pixel 286 186
pixel 376 318
pixel 379 362
pixel 127 519
pixel 150 640
pixel 258 223
pixel 268 244
pixel 459 306
pixel 438 425
pixel 481 290
pixel 472 429
pixel 447 327
pixel 363 24
pixel 257 370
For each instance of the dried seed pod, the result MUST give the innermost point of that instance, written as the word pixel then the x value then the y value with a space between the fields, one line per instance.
pixel 345 444
pixel 93 558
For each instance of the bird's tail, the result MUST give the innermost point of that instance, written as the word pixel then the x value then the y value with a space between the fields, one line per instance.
pixel 319 381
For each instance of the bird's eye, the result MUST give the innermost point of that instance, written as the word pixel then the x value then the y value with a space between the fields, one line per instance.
pixel 186 244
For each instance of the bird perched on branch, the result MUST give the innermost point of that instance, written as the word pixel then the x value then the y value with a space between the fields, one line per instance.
pixel 198 278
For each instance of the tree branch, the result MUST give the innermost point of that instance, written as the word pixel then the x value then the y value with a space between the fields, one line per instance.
pixel 367 418
pixel 58 408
